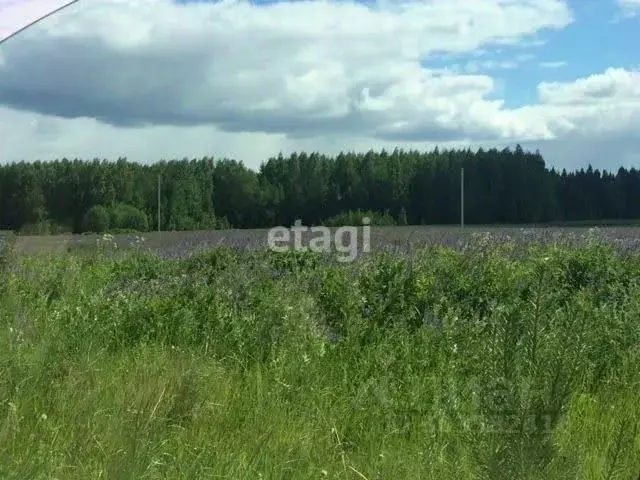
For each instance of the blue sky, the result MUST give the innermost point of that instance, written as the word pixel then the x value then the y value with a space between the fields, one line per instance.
pixel 151 79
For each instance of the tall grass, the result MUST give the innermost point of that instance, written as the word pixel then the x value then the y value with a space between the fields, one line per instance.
pixel 485 364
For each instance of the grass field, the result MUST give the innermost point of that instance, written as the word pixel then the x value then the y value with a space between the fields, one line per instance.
pixel 441 355
pixel 406 239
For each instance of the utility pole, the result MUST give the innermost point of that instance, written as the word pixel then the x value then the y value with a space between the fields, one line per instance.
pixel 159 203
pixel 462 198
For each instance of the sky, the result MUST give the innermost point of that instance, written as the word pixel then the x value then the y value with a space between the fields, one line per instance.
pixel 161 79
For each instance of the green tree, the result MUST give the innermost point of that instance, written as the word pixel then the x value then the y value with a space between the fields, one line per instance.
pixel 128 217
pixel 96 220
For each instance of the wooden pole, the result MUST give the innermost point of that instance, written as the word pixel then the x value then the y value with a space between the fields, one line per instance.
pixel 159 217
pixel 462 198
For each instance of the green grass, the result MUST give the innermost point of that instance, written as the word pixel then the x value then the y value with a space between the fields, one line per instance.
pixel 219 366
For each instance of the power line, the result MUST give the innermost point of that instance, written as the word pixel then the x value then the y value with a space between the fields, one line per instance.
pixel 38 20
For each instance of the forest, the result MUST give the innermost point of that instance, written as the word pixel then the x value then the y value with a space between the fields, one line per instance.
pixel 509 186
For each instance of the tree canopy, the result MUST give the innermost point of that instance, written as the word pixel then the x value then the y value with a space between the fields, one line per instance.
pixel 501 187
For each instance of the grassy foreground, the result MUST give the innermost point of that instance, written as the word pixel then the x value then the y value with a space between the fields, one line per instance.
pixel 493 363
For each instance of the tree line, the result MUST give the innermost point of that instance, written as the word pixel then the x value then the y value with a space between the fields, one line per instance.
pixel 508 186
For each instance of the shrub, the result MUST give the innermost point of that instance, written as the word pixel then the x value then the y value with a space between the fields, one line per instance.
pixel 128 217
pixel 96 220
pixel 402 217
pixel 7 247
pixel 354 217
pixel 222 223
pixel 44 227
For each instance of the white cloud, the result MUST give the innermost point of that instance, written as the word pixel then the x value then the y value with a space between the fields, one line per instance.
pixel 478 66
pixel 235 79
pixel 614 85
pixel 630 7
pixel 556 64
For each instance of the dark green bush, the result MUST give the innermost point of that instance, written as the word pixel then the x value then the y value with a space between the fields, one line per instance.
pixel 96 220
pixel 354 218
pixel 128 217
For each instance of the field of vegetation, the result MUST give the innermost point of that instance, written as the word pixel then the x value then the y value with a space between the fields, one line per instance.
pixel 484 357
pixel 179 244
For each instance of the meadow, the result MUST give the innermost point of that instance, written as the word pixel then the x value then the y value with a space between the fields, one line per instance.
pixel 483 354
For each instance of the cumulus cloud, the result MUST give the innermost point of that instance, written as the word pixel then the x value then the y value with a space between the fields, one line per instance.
pixel 601 103
pixel 243 80
pixel 302 69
